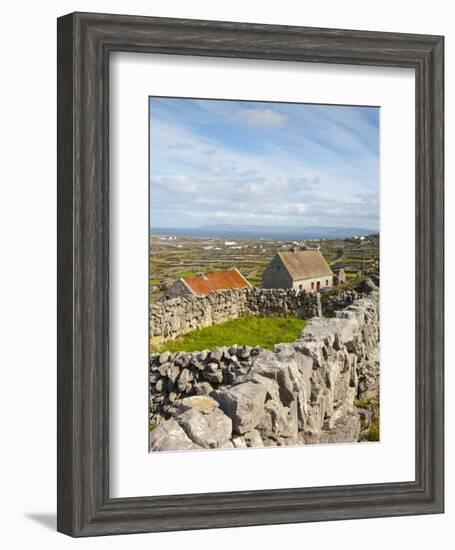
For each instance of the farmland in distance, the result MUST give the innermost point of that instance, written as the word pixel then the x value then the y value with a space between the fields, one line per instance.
pixel 173 256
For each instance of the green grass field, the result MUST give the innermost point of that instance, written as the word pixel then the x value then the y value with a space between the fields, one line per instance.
pixel 185 273
pixel 245 331
pixel 373 405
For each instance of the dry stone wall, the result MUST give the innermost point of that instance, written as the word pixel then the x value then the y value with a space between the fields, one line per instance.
pixel 339 298
pixel 170 319
pixel 301 392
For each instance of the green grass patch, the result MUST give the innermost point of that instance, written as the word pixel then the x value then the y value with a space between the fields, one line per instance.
pixel 373 434
pixel 245 331
pixel 352 259
pixel 372 404
pixel 156 421
pixel 362 403
pixel 185 273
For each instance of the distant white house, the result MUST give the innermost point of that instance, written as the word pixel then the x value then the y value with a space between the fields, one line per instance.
pixel 230 243
pixel 298 269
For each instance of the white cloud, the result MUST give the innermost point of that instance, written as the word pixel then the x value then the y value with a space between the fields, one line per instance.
pixel 254 188
pixel 262 118
pixel 223 168
pixel 180 146
pixel 175 184
pixel 286 179
pixel 221 214
pixel 292 208
pixel 216 169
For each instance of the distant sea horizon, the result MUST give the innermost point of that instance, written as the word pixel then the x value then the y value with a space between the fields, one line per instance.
pixel 269 233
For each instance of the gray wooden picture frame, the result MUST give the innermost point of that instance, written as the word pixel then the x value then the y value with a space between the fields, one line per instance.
pixel 84 43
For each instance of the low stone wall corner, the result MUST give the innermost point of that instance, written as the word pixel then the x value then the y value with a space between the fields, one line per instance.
pixel 301 392
pixel 172 318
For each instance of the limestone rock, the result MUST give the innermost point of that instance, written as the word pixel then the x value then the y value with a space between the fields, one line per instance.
pixel 277 422
pixel 272 388
pixel 159 385
pixel 203 388
pixel 345 430
pixel 183 379
pixel 200 403
pixel 244 352
pixel 253 439
pixel 220 424
pixel 244 404
pixel 164 357
pixel 213 377
pixel 216 355
pixel 197 429
pixel 239 442
pixel 169 436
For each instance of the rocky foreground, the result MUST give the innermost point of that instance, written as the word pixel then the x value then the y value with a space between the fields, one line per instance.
pixel 322 388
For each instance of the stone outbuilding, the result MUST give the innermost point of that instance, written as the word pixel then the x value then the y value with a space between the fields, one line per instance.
pixel 298 269
pixel 200 285
pixel 340 277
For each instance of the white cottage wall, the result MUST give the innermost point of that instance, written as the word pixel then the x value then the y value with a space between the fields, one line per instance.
pixel 305 284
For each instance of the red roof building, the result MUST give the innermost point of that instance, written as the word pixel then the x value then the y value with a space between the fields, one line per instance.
pixel 200 285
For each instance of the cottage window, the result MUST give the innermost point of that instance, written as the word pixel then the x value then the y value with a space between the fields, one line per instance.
pixel 300 287
pixel 327 282
pixel 312 286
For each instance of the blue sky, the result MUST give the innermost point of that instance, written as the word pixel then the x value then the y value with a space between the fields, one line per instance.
pixel 258 163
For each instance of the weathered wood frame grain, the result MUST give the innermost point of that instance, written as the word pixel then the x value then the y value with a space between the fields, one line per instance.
pixel 84 43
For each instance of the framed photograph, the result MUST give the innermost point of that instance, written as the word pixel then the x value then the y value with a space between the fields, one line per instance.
pixel 250 274
pixel 221 375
